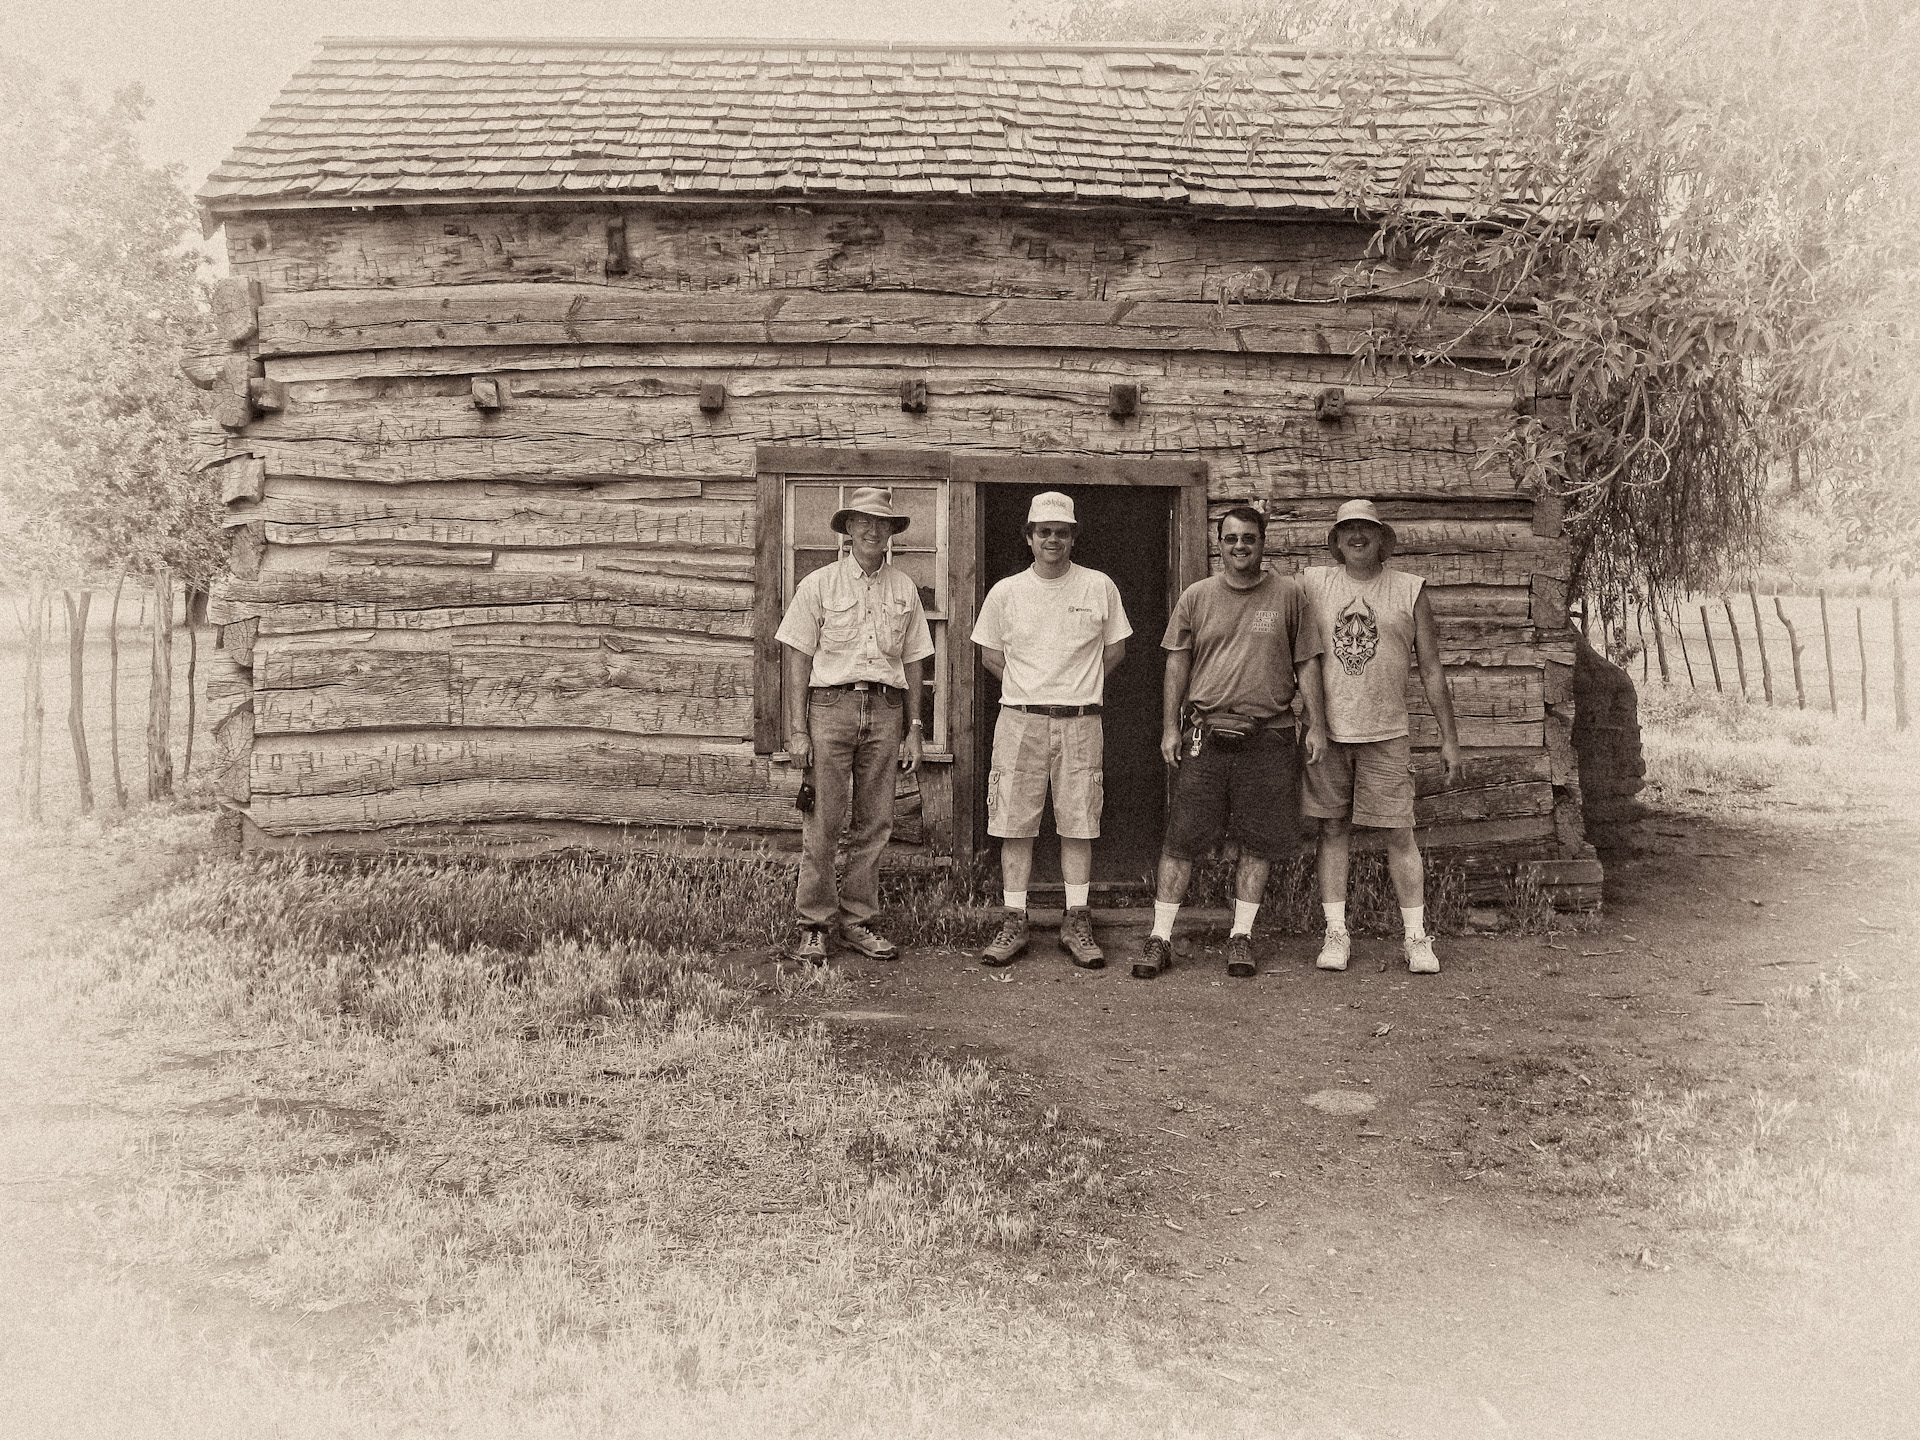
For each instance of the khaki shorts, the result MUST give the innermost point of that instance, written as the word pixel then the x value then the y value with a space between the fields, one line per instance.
pixel 1035 753
pixel 1370 783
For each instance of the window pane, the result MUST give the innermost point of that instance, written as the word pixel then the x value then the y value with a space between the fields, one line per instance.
pixel 813 507
pixel 922 570
pixel 805 562
pixel 921 506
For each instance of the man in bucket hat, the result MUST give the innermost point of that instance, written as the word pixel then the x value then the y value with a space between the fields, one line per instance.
pixel 1050 634
pixel 856 646
pixel 1374 622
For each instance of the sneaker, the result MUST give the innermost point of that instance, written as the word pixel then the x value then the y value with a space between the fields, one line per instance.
pixel 1076 934
pixel 811 948
pixel 874 947
pixel 1240 963
pixel 1420 957
pixel 1008 942
pixel 1155 956
pixel 1334 951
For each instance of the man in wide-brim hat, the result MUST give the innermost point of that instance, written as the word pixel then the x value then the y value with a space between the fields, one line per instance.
pixel 1375 622
pixel 856 644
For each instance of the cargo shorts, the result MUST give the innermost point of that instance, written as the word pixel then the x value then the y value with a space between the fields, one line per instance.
pixel 1033 754
pixel 1369 782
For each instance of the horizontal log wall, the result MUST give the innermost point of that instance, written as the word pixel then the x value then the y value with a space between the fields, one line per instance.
pixel 533 621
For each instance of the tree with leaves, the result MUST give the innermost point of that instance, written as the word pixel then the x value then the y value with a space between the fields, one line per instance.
pixel 98 293
pixel 1709 215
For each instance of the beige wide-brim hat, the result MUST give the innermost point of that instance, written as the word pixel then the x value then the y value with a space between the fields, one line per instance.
pixel 1051 505
pixel 874 500
pixel 1358 510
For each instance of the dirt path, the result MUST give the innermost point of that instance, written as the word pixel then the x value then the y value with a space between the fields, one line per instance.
pixel 1375 1192
pixel 1375 1206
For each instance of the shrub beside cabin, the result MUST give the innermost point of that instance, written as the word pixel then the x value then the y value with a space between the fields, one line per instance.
pixel 543 364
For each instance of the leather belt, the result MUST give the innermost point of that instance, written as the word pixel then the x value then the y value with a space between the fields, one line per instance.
pixel 1058 712
pixel 863 686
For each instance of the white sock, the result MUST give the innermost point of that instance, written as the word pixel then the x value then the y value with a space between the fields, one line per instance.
pixel 1336 911
pixel 1163 918
pixel 1415 920
pixel 1243 913
pixel 1016 900
pixel 1077 896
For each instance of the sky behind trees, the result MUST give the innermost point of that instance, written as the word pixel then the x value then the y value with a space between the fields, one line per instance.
pixel 212 66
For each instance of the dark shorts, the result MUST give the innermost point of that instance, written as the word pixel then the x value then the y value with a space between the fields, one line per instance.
pixel 1252 792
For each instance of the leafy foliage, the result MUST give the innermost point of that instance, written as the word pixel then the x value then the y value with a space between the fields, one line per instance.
pixel 97 294
pixel 1708 213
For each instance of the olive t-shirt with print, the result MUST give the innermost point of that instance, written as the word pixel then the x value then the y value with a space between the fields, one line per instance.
pixel 1368 631
pixel 1245 644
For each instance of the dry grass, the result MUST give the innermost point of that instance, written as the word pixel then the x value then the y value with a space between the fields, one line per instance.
pixel 526 1167
pixel 1714 754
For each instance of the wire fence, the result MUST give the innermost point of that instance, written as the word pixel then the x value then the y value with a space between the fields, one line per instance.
pixel 1845 654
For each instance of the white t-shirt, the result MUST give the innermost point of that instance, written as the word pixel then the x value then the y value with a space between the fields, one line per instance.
pixel 1052 633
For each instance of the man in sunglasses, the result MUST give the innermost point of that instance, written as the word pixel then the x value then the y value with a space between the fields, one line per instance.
pixel 1051 635
pixel 1239 646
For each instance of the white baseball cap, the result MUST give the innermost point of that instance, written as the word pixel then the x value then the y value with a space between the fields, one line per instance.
pixel 1051 505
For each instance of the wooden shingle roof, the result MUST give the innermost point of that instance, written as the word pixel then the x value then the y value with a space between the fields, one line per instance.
pixel 387 121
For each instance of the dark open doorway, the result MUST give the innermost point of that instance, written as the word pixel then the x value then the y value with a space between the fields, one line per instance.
pixel 1126 531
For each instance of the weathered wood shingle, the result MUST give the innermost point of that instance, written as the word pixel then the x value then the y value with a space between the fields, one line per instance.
pixel 390 120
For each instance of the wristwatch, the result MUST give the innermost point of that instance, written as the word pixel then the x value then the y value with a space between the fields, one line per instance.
pixel 915 725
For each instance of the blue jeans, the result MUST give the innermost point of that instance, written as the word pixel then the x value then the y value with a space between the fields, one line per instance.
pixel 856 752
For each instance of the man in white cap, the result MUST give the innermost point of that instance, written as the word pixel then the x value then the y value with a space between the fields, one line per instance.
pixel 856 644
pixel 1374 623
pixel 1051 635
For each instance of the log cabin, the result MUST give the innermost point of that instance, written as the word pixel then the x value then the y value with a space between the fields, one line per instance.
pixel 541 365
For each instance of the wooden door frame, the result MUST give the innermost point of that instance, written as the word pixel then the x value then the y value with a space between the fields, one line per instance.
pixel 967 547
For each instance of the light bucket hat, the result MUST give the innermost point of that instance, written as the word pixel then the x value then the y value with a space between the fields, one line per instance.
pixel 874 500
pixel 1358 510
pixel 1051 505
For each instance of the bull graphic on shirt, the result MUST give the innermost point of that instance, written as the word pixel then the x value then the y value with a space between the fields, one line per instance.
pixel 1356 636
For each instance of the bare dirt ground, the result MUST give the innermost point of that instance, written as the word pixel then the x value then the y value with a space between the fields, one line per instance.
pixel 1375 1205
pixel 1377 1194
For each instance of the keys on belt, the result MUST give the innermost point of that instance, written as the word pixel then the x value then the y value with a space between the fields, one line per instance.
pixel 1058 712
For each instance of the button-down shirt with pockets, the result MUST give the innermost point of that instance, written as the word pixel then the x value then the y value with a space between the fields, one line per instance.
pixel 857 626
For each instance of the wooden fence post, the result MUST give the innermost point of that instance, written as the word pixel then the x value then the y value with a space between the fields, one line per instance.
pixel 1739 655
pixel 1826 640
pixel 160 689
pixel 1680 633
pixel 1659 641
pixel 1640 625
pixel 77 693
pixel 193 665
pixel 1899 668
pixel 113 691
pixel 1712 654
pixel 1760 639
pixel 1793 644
pixel 1860 634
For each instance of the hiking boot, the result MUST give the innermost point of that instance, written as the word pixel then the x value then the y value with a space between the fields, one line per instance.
pixel 1334 951
pixel 1240 957
pixel 1008 941
pixel 1420 957
pixel 811 946
pixel 874 947
pixel 1076 935
pixel 1155 956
